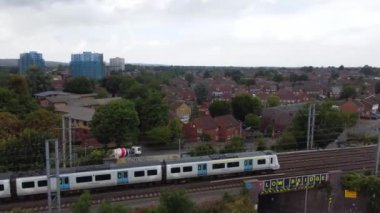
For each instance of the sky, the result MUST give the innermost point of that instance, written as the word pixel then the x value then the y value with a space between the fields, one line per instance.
pixel 196 32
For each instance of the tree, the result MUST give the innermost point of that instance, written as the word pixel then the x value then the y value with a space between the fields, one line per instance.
pixel 115 122
pixel 245 104
pixel 203 149
pixel 236 145
pixel 207 74
pixel 201 93
pixel 16 104
pixel 367 70
pixel 287 142
pixel 218 108
pixel 175 201
pixel 273 101
pixel 152 111
pixel 10 125
pixel 102 93
pixel 79 85
pixel 278 77
pixel 160 135
pixel 19 85
pixel 189 77
pixel 377 87
pixel 113 84
pixel 348 92
pixel 106 207
pixel 38 81
pixel 83 204
pixel 24 152
pixel 261 146
pixel 42 120
pixel 176 129
pixel 252 120
pixel 341 67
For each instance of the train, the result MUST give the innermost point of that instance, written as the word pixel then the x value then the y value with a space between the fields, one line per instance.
pixel 111 175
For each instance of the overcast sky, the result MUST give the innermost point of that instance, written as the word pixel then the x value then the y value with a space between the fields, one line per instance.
pixel 196 32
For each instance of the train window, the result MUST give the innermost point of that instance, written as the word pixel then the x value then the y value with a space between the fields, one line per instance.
pixel 84 179
pixel 42 183
pixel 125 174
pixel 204 166
pixel 152 172
pixel 26 185
pixel 250 162
pixel 271 160
pixel 218 166
pixel 175 170
pixel 1 187
pixel 139 173
pixel 199 167
pixel 187 169
pixel 232 164
pixel 102 177
pixel 261 161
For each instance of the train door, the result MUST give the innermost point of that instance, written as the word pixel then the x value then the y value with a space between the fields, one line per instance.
pixel 202 169
pixel 122 177
pixel 248 165
pixel 64 183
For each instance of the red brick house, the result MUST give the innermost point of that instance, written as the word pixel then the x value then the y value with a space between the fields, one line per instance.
pixel 199 126
pixel 229 127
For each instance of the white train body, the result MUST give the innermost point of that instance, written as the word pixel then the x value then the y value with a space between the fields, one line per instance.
pixel 91 177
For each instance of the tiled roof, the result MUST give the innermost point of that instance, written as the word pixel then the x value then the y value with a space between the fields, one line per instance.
pixel 77 113
pixel 205 123
pixel 226 121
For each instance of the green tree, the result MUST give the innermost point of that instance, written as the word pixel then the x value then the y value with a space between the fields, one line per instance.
pixel 287 142
pixel 205 137
pixel 19 85
pixel 10 125
pixel 107 207
pixel 278 77
pixel 367 70
pixel 252 120
pixel 348 92
pixel 201 93
pixel 83 204
pixel 377 87
pixel 16 104
pixel 218 108
pixel 42 120
pixel 261 146
pixel 113 84
pixel 176 129
pixel 174 202
pixel 273 101
pixel 245 104
pixel 24 152
pixel 203 149
pixel 115 122
pixel 102 93
pixel 207 74
pixel 38 81
pixel 153 111
pixel 189 77
pixel 79 85
pixel 236 145
pixel 341 67
pixel 160 135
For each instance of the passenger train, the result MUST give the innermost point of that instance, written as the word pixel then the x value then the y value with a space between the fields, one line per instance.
pixel 90 177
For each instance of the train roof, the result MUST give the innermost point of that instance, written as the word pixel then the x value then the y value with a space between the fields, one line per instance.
pixel 220 156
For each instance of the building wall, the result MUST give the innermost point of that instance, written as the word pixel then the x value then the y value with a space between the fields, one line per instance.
pixel 88 65
pixel 117 64
pixel 225 134
pixel 30 59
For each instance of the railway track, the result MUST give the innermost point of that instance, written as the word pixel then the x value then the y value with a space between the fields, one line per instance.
pixel 292 164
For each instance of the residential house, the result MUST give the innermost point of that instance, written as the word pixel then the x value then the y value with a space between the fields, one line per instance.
pixel 352 106
pixel 229 127
pixel 335 91
pixel 275 120
pixel 182 111
pixel 288 96
pixel 194 130
pixel 64 100
pixel 42 96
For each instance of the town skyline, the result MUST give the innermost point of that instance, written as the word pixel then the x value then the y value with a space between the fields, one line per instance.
pixel 201 33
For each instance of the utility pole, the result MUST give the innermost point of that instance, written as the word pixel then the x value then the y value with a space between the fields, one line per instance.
pixel 57 194
pixel 63 141
pixel 312 127
pixel 308 128
pixel 70 144
pixel 377 156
